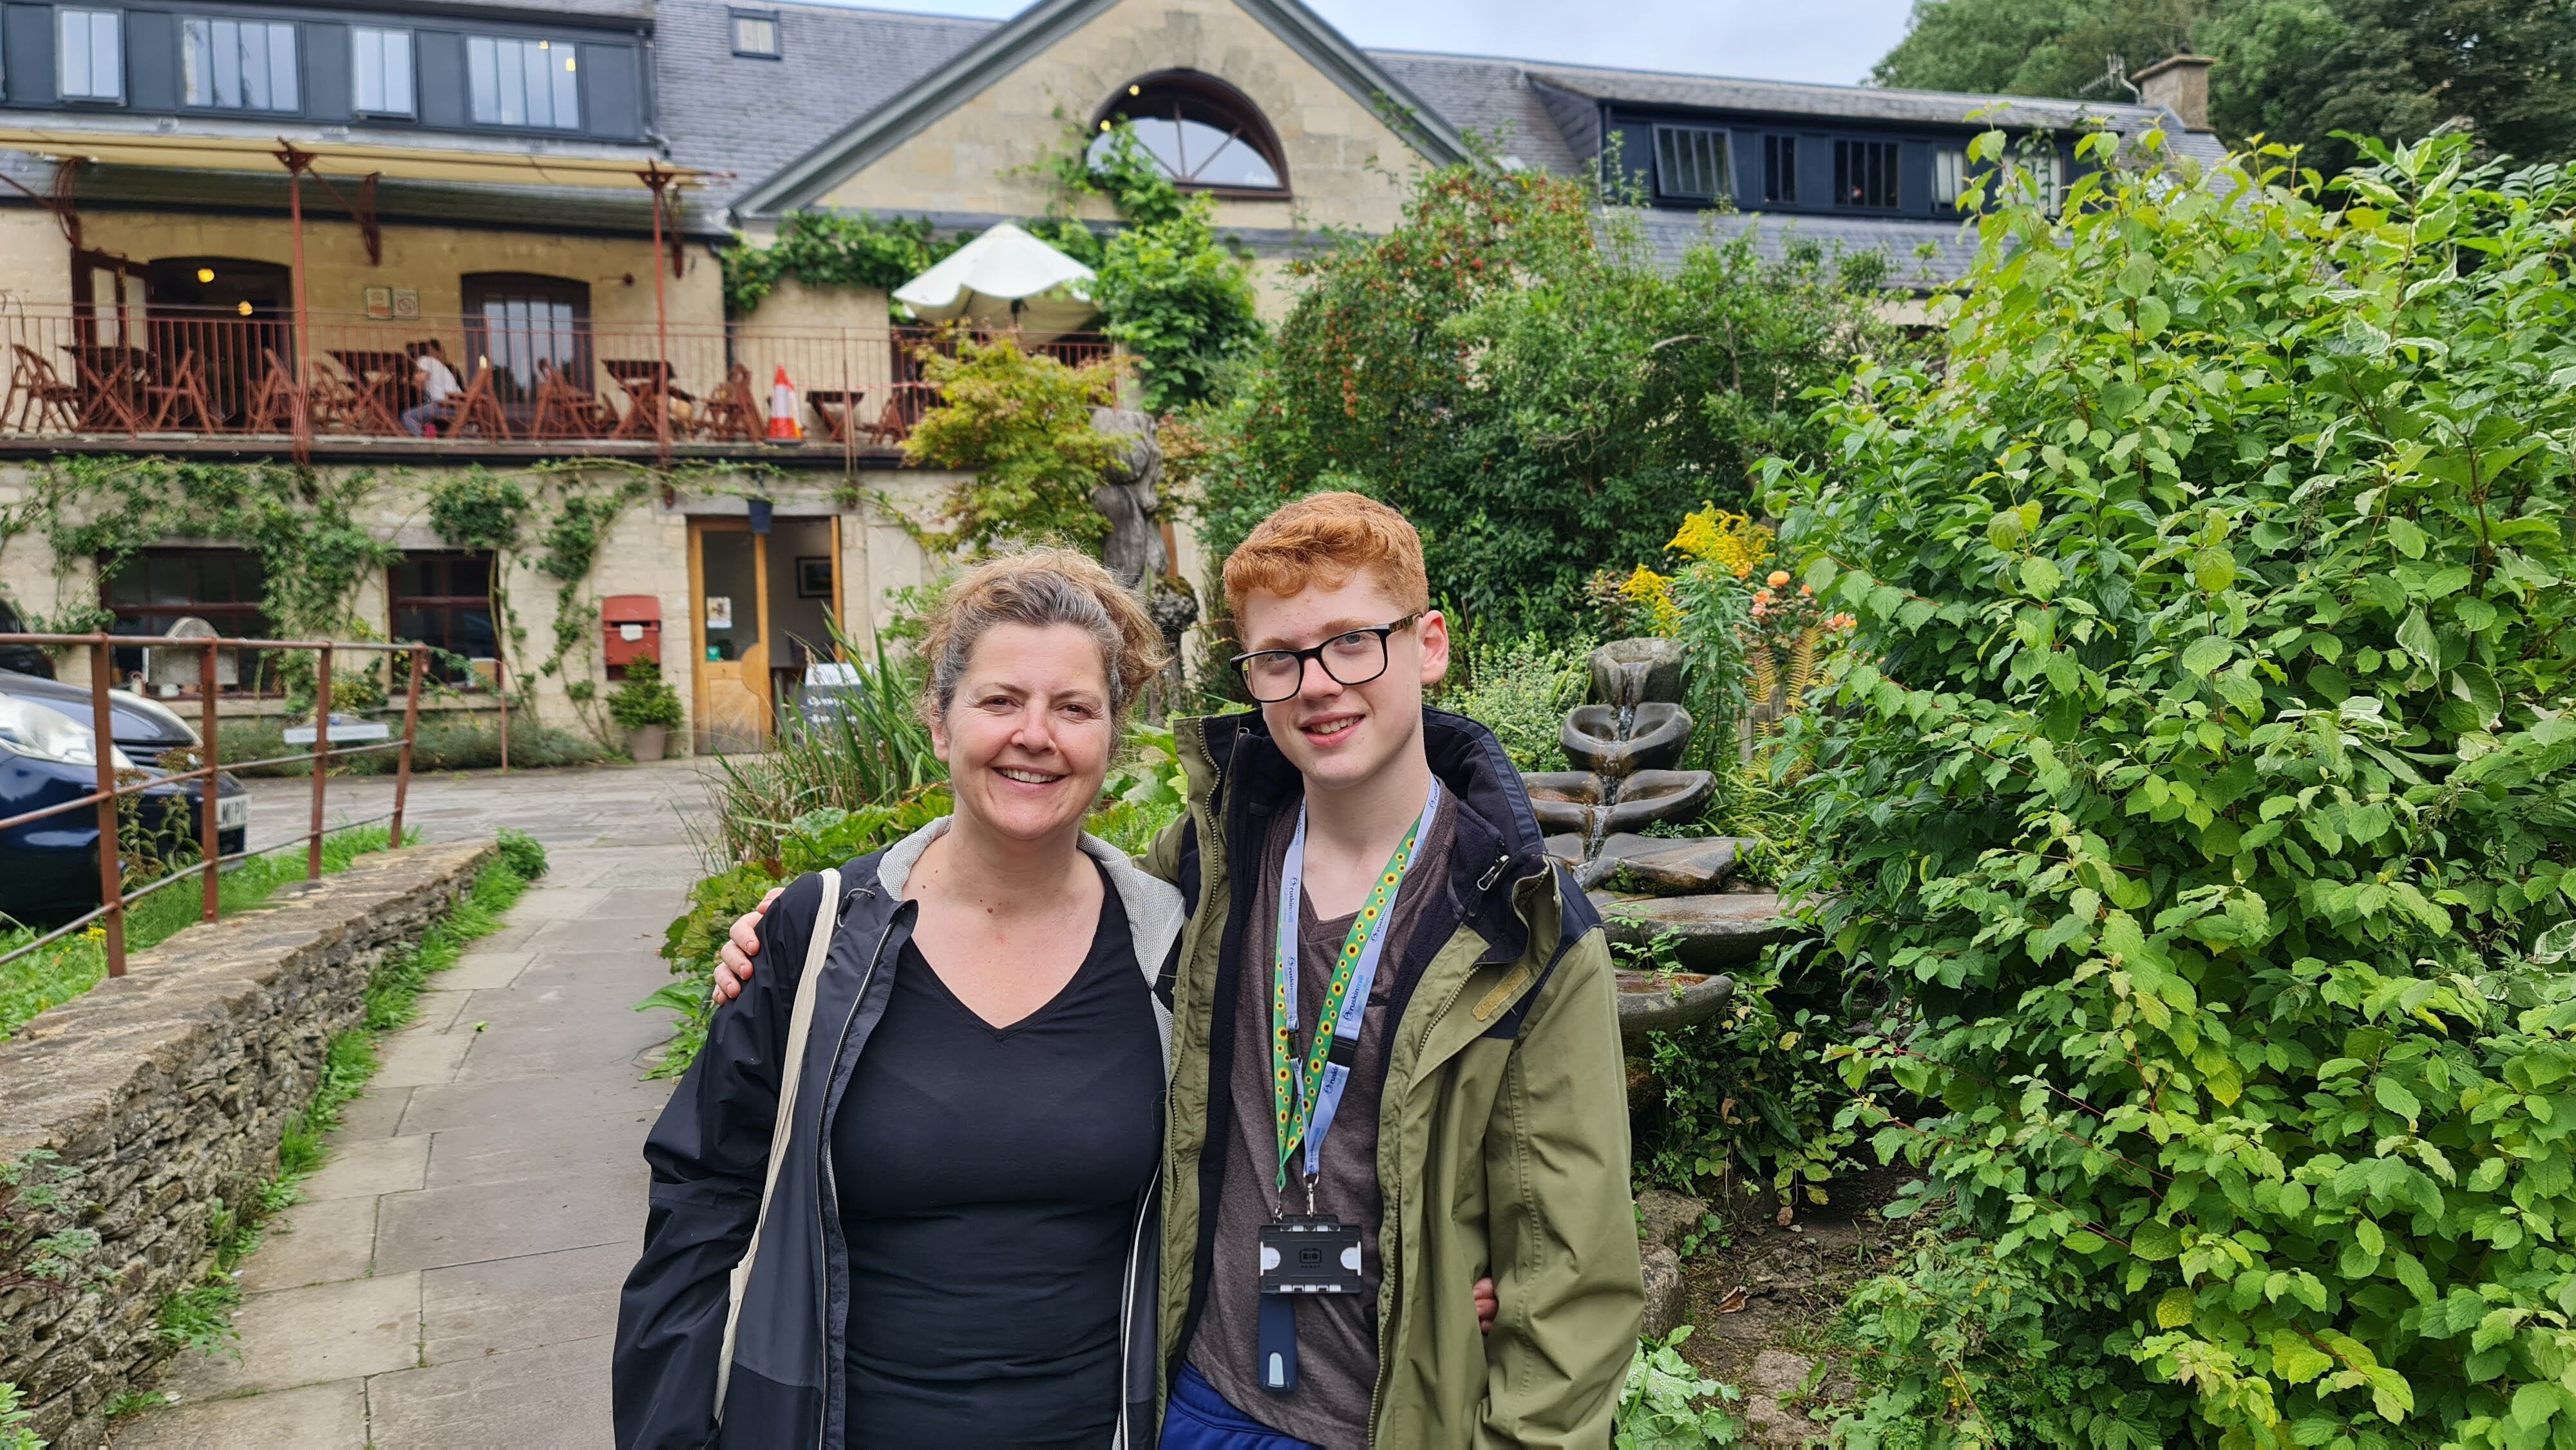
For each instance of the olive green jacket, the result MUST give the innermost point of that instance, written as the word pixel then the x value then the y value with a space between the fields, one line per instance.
pixel 1503 1127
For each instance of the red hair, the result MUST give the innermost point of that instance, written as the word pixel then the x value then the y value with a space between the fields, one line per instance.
pixel 1322 540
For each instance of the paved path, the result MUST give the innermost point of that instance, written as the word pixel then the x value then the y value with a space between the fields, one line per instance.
pixel 451 1278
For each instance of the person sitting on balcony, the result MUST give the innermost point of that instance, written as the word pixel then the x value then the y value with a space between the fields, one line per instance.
pixel 437 384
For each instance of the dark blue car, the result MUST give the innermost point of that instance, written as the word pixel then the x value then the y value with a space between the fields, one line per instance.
pixel 49 868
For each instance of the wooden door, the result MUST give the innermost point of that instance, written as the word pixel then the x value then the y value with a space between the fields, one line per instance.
pixel 729 626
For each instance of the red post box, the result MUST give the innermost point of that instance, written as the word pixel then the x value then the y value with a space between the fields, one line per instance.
pixel 633 625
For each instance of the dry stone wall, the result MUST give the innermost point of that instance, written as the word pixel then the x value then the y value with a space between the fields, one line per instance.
pixel 165 1092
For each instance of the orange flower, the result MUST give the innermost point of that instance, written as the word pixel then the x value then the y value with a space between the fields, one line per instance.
pixel 1779 577
pixel 1806 591
pixel 1761 596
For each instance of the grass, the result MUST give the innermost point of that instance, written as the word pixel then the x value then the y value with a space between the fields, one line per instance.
pixel 69 967
pixel 199 1316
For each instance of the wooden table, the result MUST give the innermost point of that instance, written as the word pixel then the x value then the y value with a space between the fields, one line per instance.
pixel 649 389
pixel 383 382
pixel 112 379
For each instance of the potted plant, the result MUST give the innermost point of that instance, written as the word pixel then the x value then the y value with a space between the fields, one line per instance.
pixel 647 707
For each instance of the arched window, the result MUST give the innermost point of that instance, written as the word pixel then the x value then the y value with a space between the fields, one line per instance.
pixel 1202 132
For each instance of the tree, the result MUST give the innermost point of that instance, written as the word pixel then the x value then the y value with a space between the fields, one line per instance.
pixel 1538 395
pixel 1020 424
pixel 2295 71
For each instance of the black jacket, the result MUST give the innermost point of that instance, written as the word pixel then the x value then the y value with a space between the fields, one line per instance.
pixel 710 1152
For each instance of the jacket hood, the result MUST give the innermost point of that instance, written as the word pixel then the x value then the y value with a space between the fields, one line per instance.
pixel 1499 840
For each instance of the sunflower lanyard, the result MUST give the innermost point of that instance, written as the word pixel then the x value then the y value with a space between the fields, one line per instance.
pixel 1305 1096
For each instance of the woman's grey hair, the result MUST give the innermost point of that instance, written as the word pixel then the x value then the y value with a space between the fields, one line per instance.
pixel 1041 588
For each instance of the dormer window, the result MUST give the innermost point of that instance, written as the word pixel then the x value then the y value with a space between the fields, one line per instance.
pixel 1690 162
pixel 1200 131
pixel 755 34
pixel 89 54
pixel 238 65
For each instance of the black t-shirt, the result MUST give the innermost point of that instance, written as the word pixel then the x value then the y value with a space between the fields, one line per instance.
pixel 988 1181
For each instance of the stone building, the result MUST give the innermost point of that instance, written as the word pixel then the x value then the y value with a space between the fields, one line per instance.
pixel 227 229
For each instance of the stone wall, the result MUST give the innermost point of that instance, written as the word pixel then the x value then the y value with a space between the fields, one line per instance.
pixel 167 1090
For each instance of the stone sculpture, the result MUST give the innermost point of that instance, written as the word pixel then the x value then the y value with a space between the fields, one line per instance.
pixel 1128 495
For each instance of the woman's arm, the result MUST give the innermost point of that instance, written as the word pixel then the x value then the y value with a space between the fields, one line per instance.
pixel 709 1155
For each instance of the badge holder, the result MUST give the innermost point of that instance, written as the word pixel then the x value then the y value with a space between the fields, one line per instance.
pixel 1301 1254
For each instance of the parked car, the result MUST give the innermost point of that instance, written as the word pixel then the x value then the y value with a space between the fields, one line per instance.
pixel 26 659
pixel 49 868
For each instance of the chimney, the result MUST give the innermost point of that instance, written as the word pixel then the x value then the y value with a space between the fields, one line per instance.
pixel 2180 84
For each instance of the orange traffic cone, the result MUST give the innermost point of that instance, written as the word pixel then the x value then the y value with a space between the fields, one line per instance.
pixel 782 410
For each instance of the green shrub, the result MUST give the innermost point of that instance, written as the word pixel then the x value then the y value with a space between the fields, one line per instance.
pixel 14 1434
pixel 1520 689
pixel 2210 793
pixel 446 741
pixel 1667 1404
pixel 525 853
pixel 644 698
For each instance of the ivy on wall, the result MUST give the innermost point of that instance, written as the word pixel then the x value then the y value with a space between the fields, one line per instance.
pixel 832 249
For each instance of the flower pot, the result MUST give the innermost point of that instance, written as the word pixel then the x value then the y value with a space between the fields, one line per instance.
pixel 645 742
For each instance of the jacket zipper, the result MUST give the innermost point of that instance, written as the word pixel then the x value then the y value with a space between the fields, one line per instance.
pixel 831 1186
pixel 1127 1310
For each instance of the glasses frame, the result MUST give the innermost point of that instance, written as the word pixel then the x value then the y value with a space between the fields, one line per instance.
pixel 1243 662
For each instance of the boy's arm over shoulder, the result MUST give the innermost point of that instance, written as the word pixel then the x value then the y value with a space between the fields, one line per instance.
pixel 1563 1226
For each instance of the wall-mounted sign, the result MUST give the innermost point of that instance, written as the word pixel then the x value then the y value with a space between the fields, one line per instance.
pixel 380 303
pixel 719 611
pixel 407 302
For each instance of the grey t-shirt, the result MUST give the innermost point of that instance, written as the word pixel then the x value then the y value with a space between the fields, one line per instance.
pixel 1336 1334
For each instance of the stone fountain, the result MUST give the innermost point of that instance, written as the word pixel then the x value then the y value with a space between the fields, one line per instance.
pixel 1627 742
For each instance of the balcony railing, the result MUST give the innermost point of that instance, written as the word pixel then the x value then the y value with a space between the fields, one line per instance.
pixel 135 373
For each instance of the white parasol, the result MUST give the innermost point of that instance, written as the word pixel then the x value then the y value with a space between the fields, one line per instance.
pixel 1005 279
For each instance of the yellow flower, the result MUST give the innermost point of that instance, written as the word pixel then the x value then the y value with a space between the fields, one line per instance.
pixel 1728 541
pixel 1655 592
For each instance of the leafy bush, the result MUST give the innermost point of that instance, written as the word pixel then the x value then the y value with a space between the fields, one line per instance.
pixel 1520 689
pixel 525 853
pixel 2210 792
pixel 1667 1404
pixel 832 249
pixel 1019 425
pixel 644 698
pixel 447 741
pixel 1748 1095
pixel 14 1434
pixel 1536 392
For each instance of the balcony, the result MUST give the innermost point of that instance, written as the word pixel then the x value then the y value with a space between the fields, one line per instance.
pixel 189 381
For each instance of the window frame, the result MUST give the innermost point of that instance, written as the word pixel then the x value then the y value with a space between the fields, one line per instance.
pixel 479 290
pixel 62 54
pixel 500 121
pixel 446 606
pixel 1852 153
pixel 1952 173
pixel 1185 87
pixel 734 19
pixel 1780 169
pixel 410 71
pixel 232 619
pixel 1714 142
pixel 294 60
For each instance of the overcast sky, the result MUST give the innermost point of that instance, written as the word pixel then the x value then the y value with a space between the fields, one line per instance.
pixel 1798 40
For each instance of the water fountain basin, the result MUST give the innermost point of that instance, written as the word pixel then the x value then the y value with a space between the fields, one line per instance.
pixel 1656 735
pixel 1571 800
pixel 1648 1003
pixel 1709 933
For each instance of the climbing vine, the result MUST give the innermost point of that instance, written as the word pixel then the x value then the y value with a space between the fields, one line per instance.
pixel 831 249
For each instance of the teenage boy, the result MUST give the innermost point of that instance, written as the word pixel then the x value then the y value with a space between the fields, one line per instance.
pixel 1415 1086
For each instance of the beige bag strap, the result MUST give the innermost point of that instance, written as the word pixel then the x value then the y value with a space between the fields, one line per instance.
pixel 800 1026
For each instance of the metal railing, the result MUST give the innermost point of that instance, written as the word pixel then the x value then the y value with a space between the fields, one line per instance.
pixel 114 899
pixel 136 370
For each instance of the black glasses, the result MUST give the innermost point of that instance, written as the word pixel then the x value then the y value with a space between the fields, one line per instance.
pixel 1351 658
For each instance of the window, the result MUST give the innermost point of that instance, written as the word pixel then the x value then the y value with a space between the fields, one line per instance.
pixel 2048 174
pixel 444 600
pixel 1865 173
pixel 1949 176
pixel 91 52
pixel 157 588
pixel 1780 168
pixel 380 71
pixel 526 326
pixel 238 65
pixel 1690 161
pixel 755 32
pixel 1200 131
pixel 523 82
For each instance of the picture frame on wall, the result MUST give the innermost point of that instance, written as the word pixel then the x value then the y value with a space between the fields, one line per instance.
pixel 813 576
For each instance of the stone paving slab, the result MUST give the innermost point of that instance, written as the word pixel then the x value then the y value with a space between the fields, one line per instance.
pixel 451 1280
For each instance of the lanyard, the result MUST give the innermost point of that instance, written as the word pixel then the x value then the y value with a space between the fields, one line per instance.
pixel 1305 1096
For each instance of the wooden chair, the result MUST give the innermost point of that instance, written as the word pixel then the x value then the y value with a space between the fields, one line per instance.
pixel 36 389
pixel 890 426
pixel 274 406
pixel 181 393
pixel 567 411
pixel 476 408
pixel 730 414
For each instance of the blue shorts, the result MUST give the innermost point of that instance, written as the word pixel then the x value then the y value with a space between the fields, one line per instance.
pixel 1198 1418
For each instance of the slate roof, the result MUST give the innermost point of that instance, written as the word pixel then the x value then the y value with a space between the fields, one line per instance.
pixel 1920 254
